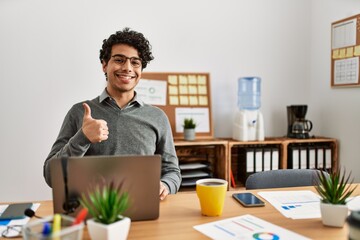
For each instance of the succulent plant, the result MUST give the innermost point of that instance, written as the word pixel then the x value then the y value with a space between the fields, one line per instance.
pixel 106 202
pixel 189 123
pixel 334 187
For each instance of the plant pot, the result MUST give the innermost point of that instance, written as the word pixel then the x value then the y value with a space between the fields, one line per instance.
pixel 189 134
pixel 333 215
pixel 118 230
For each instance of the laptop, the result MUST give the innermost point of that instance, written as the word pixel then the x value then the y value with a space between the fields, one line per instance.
pixel 70 177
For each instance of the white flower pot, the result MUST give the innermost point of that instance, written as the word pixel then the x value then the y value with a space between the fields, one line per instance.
pixel 118 230
pixel 333 215
pixel 189 134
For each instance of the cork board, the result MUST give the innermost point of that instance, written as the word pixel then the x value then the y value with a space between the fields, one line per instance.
pixel 180 95
pixel 345 52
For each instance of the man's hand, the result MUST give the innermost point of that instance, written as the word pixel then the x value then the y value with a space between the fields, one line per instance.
pixel 96 130
pixel 163 191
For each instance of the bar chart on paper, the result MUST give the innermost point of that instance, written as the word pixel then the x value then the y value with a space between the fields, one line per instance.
pixel 246 227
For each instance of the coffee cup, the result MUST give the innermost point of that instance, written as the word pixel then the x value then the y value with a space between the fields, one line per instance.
pixel 211 193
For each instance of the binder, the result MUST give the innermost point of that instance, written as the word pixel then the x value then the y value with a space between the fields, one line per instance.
pixel 275 159
pixel 303 158
pixel 295 158
pixel 312 158
pixel 267 159
pixel 320 158
pixel 258 160
pixel 328 158
pixel 250 161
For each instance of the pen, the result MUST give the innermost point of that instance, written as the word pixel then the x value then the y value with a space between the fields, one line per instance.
pixel 81 216
pixel 56 224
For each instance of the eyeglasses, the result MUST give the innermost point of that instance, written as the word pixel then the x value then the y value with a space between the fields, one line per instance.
pixel 121 60
pixel 12 231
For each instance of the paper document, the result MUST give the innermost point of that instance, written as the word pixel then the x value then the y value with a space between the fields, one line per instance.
pixel 294 204
pixel 246 227
pixel 18 222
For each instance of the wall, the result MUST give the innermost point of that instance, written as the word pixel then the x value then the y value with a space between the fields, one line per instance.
pixel 335 111
pixel 49 61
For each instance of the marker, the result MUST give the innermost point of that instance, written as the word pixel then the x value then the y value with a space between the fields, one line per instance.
pixel 56 224
pixel 81 216
pixel 46 229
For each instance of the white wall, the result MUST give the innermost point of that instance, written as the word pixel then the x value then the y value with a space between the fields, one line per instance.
pixel 49 61
pixel 335 111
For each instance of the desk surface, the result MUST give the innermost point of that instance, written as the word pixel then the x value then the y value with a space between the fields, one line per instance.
pixel 180 212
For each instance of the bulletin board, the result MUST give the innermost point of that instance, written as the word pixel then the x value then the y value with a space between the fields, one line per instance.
pixel 345 52
pixel 180 95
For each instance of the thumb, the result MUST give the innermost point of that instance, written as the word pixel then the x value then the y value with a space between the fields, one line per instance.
pixel 87 111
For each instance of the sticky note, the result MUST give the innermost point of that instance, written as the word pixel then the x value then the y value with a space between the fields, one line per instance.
pixel 349 52
pixel 184 100
pixel 193 100
pixel 192 79
pixel 174 100
pixel 183 89
pixel 193 89
pixel 202 90
pixel 183 79
pixel 202 80
pixel 172 79
pixel 357 50
pixel 173 90
pixel 203 101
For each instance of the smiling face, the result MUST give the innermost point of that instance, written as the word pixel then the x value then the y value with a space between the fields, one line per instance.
pixel 122 72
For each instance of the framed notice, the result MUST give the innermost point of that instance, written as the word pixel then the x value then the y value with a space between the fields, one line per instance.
pixel 345 52
pixel 180 95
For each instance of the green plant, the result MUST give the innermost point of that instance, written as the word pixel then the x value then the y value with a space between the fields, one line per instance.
pixel 106 202
pixel 189 123
pixel 334 187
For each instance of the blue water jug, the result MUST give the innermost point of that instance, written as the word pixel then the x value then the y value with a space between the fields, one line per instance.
pixel 249 93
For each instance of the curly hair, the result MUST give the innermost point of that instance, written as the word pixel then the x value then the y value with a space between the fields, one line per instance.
pixel 131 38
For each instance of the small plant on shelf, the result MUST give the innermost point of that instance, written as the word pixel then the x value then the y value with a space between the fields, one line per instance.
pixel 334 187
pixel 106 202
pixel 189 123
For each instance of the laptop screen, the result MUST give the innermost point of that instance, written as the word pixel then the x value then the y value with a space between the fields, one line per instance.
pixel 140 176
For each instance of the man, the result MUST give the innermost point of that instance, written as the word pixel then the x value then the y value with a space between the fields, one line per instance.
pixel 117 122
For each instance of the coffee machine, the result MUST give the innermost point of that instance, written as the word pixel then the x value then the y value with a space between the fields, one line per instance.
pixel 298 126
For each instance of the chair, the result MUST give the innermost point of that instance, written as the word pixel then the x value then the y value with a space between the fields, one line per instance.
pixel 282 178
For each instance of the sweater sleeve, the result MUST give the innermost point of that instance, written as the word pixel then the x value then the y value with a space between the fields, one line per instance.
pixel 170 171
pixel 71 141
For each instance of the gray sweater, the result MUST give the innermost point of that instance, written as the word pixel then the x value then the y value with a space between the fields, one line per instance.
pixel 137 129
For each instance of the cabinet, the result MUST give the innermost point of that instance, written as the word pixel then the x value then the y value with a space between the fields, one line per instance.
pixel 290 153
pixel 227 158
pixel 200 159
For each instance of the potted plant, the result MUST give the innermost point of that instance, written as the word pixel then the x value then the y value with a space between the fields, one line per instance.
pixel 189 129
pixel 334 189
pixel 106 203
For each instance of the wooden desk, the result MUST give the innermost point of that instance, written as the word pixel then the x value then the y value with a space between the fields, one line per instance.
pixel 180 212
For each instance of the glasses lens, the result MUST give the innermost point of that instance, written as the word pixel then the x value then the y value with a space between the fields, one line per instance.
pixel 135 62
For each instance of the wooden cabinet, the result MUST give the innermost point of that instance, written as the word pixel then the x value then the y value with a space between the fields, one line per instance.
pixel 284 148
pixel 202 158
pixel 224 158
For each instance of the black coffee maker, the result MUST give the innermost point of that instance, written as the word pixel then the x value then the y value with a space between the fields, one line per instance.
pixel 298 126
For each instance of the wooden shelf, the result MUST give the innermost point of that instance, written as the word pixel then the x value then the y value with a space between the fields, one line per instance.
pixel 221 156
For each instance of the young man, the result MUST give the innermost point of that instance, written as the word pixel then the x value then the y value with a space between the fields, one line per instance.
pixel 117 122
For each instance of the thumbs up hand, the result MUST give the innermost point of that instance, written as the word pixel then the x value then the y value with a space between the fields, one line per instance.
pixel 96 130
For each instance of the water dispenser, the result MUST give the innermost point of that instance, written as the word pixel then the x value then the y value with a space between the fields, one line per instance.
pixel 248 121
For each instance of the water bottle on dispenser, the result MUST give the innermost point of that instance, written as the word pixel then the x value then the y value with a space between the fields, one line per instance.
pixel 248 121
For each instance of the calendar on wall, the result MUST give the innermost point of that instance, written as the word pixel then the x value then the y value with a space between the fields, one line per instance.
pixel 180 95
pixel 345 52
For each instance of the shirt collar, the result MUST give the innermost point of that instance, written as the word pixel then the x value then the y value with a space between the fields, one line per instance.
pixel 104 95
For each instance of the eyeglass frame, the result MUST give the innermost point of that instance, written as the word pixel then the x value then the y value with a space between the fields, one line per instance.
pixel 127 58
pixel 9 228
